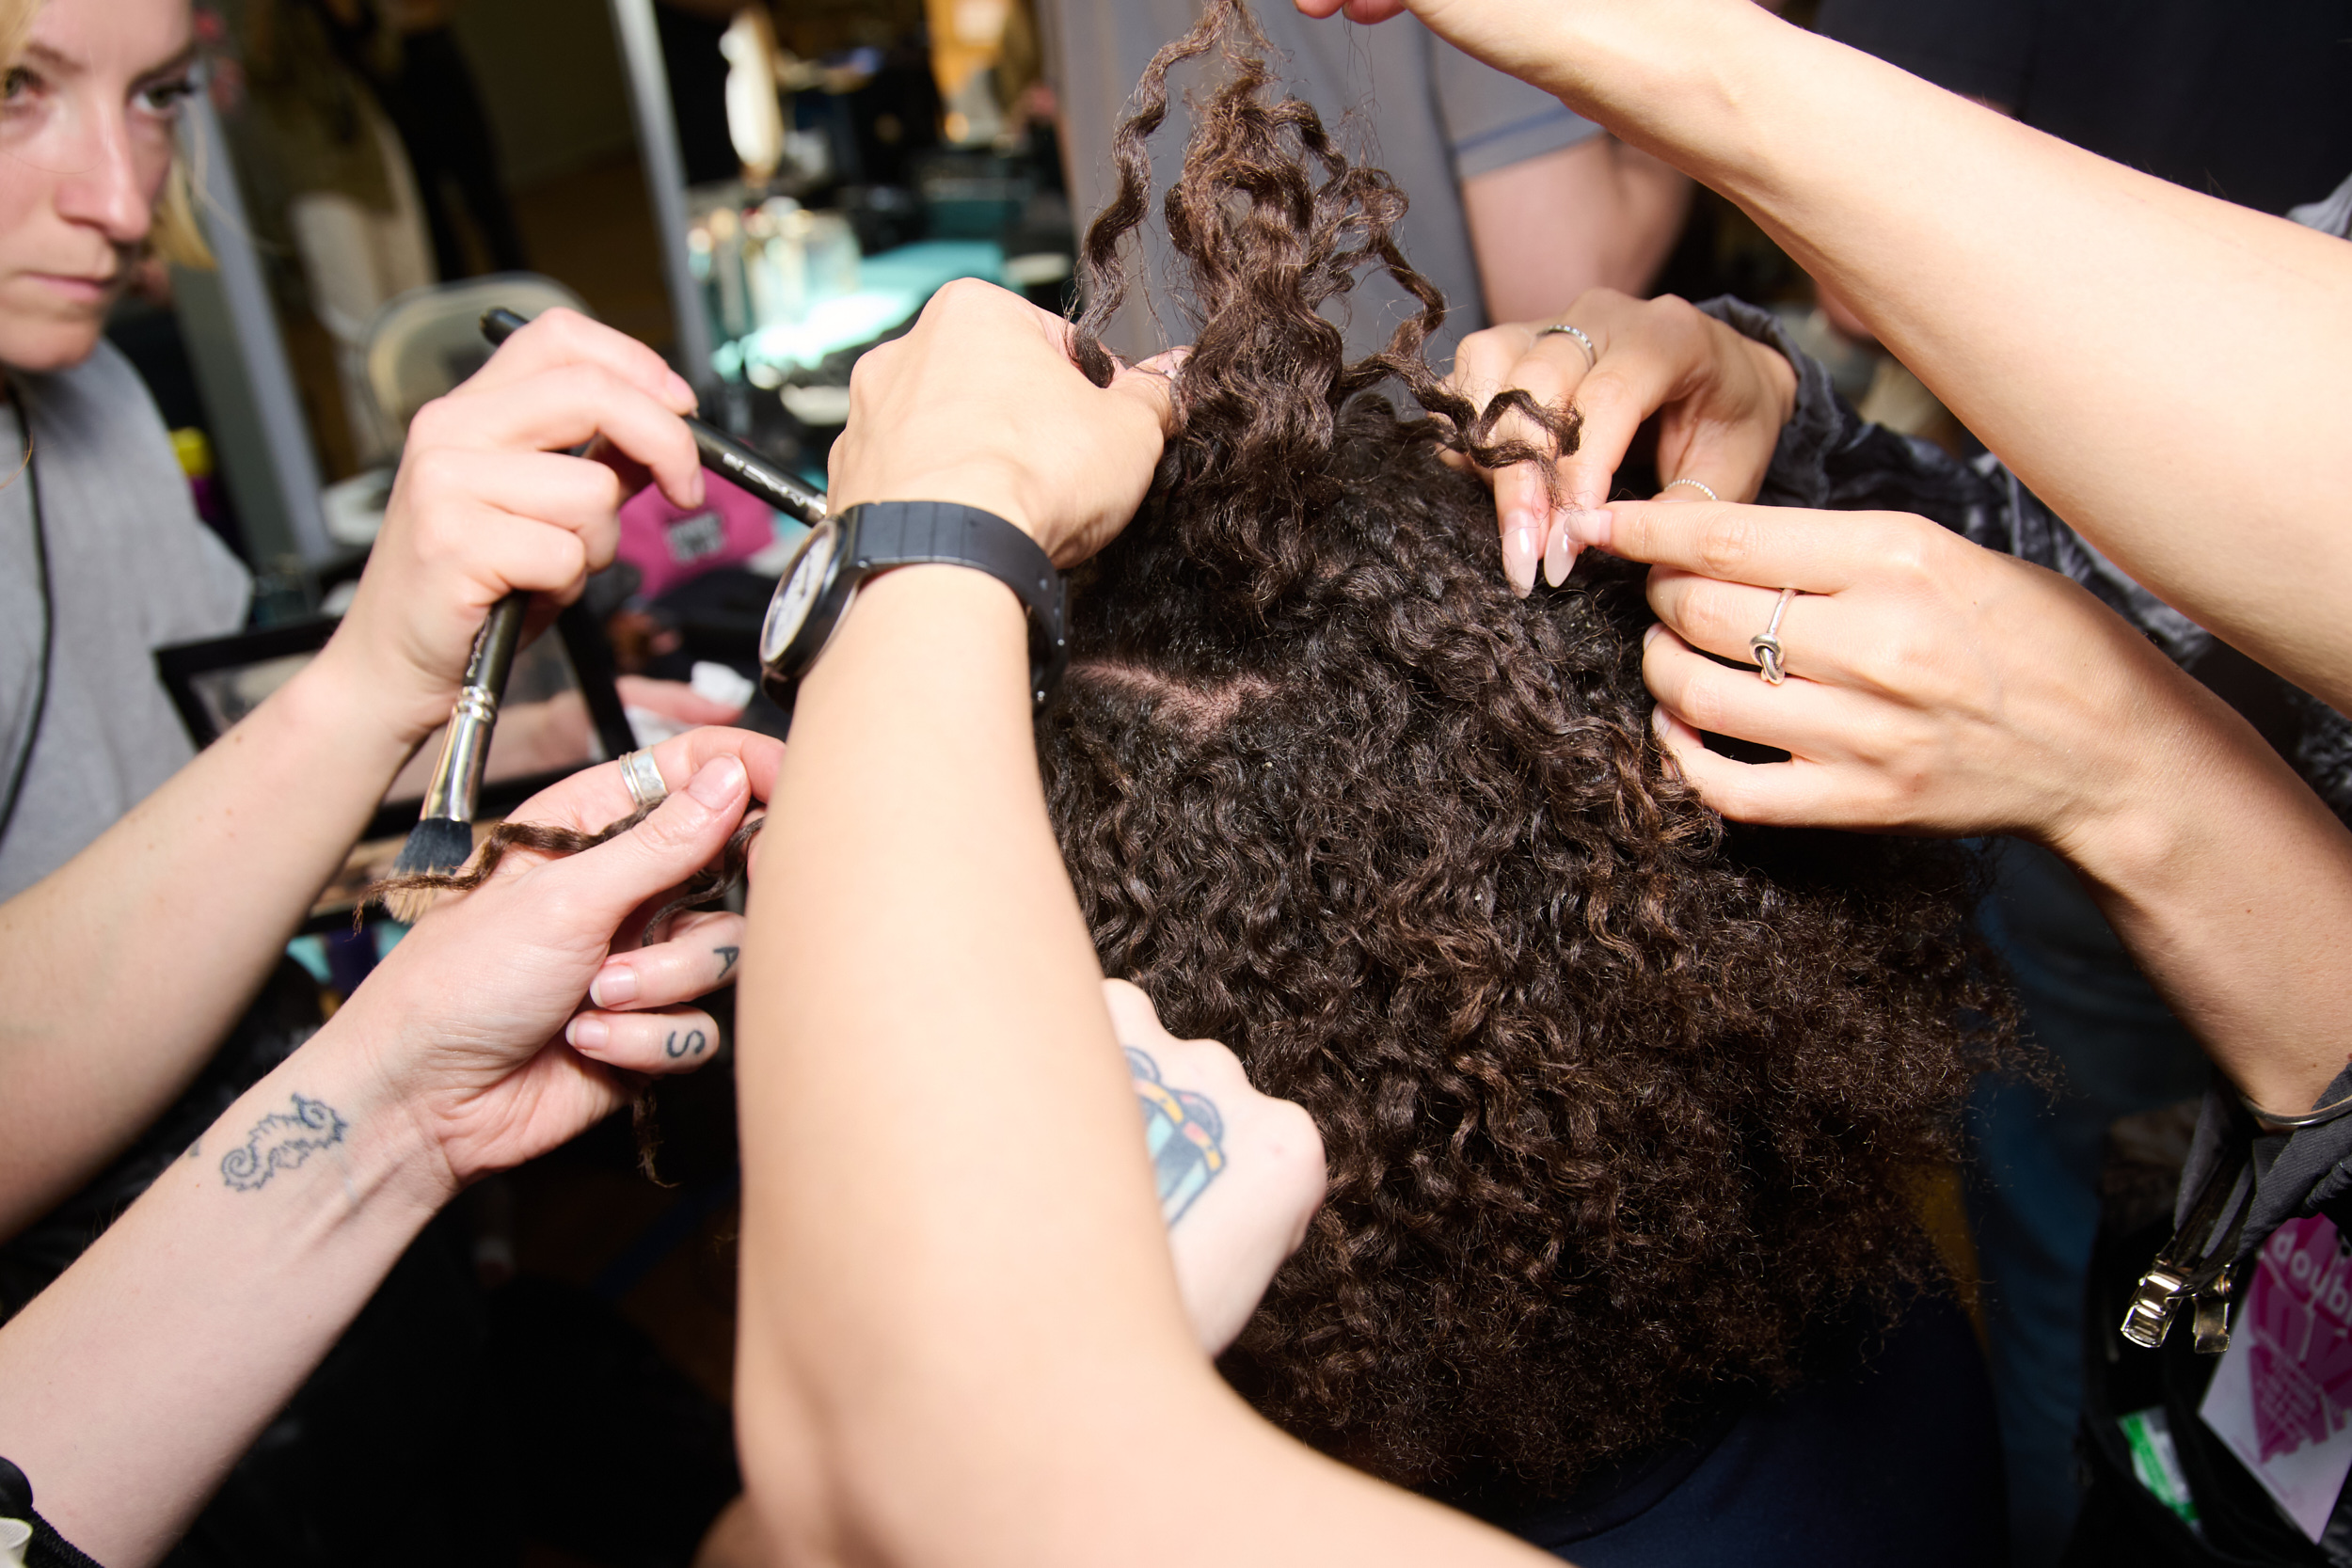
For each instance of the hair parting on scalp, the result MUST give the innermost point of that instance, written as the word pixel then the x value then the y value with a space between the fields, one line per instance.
pixel 1623 1107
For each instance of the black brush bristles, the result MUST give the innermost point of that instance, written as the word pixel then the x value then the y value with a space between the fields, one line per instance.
pixel 437 845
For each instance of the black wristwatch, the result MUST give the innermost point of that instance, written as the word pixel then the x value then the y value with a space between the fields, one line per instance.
pixel 843 551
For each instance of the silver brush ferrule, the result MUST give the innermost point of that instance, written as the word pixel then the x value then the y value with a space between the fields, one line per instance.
pixel 457 786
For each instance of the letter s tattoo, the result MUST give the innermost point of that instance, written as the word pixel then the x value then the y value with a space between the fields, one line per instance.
pixel 280 1142
pixel 1183 1131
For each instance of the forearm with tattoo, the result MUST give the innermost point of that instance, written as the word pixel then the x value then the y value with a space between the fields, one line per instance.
pixel 281 1141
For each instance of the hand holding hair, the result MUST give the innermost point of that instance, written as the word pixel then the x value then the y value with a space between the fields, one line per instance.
pixel 982 404
pixel 1718 398
pixel 476 1017
pixel 1936 687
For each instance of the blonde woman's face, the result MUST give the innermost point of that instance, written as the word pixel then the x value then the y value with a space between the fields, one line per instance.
pixel 87 126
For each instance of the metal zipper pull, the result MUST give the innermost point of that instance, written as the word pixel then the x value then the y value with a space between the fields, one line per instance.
pixel 2213 1313
pixel 2158 1297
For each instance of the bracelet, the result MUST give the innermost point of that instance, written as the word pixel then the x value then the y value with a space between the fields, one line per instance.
pixel 2320 1118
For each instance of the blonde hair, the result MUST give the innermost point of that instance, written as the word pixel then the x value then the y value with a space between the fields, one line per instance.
pixel 177 237
pixel 16 20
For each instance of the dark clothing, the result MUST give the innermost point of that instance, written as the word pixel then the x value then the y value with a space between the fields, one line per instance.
pixel 1893 1459
pixel 698 93
pixel 427 91
pixel 2245 102
pixel 433 106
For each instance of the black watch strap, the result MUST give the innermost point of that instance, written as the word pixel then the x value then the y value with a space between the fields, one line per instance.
pixel 883 534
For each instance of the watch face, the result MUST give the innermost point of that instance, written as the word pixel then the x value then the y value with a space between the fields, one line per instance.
pixel 796 595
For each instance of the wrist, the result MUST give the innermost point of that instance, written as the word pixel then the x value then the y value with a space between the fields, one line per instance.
pixel 348 688
pixel 1778 375
pixel 2184 762
pixel 329 1125
pixel 1669 80
pixel 991 486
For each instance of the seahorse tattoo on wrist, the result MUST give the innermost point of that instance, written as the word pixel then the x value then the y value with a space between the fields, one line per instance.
pixel 1183 1131
pixel 280 1142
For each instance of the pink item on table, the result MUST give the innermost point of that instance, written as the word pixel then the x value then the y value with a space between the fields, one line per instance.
pixel 669 547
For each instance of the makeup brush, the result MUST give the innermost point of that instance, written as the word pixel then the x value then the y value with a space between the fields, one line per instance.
pixel 721 452
pixel 443 836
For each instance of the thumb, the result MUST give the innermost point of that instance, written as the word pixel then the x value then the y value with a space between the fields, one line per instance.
pixel 684 834
pixel 1151 383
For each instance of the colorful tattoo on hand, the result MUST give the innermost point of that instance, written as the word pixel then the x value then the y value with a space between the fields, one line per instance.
pixel 1184 1133
pixel 280 1142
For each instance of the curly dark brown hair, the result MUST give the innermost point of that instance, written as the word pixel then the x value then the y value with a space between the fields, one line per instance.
pixel 1621 1104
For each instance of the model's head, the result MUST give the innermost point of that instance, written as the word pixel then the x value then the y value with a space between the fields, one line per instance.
pixel 1621 1104
pixel 86 141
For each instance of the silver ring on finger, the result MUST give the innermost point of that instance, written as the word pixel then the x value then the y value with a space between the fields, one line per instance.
pixel 1693 483
pixel 644 778
pixel 1591 354
pixel 1766 644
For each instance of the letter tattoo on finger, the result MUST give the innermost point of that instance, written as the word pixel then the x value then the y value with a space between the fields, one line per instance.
pixel 726 960
pixel 693 1043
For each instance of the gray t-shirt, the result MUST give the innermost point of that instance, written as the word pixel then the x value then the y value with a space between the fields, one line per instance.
pixel 1394 95
pixel 131 568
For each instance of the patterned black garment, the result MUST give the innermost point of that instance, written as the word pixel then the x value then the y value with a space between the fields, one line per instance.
pixel 1830 458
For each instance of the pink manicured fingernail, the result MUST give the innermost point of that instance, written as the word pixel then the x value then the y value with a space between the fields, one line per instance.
pixel 588 1034
pixel 613 985
pixel 1648 637
pixel 682 391
pixel 1657 719
pixel 1521 547
pixel 718 782
pixel 1591 527
pixel 1559 554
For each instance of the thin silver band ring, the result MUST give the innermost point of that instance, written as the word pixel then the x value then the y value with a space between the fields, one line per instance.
pixel 1766 644
pixel 1693 483
pixel 1591 354
pixel 643 776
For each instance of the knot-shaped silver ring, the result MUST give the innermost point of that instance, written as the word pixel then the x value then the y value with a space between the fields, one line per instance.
pixel 643 776
pixel 1591 354
pixel 1766 644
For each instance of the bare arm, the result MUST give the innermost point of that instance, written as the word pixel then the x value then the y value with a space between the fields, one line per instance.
pixel 125 966
pixel 961 1341
pixel 128 1387
pixel 1599 215
pixel 2163 368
